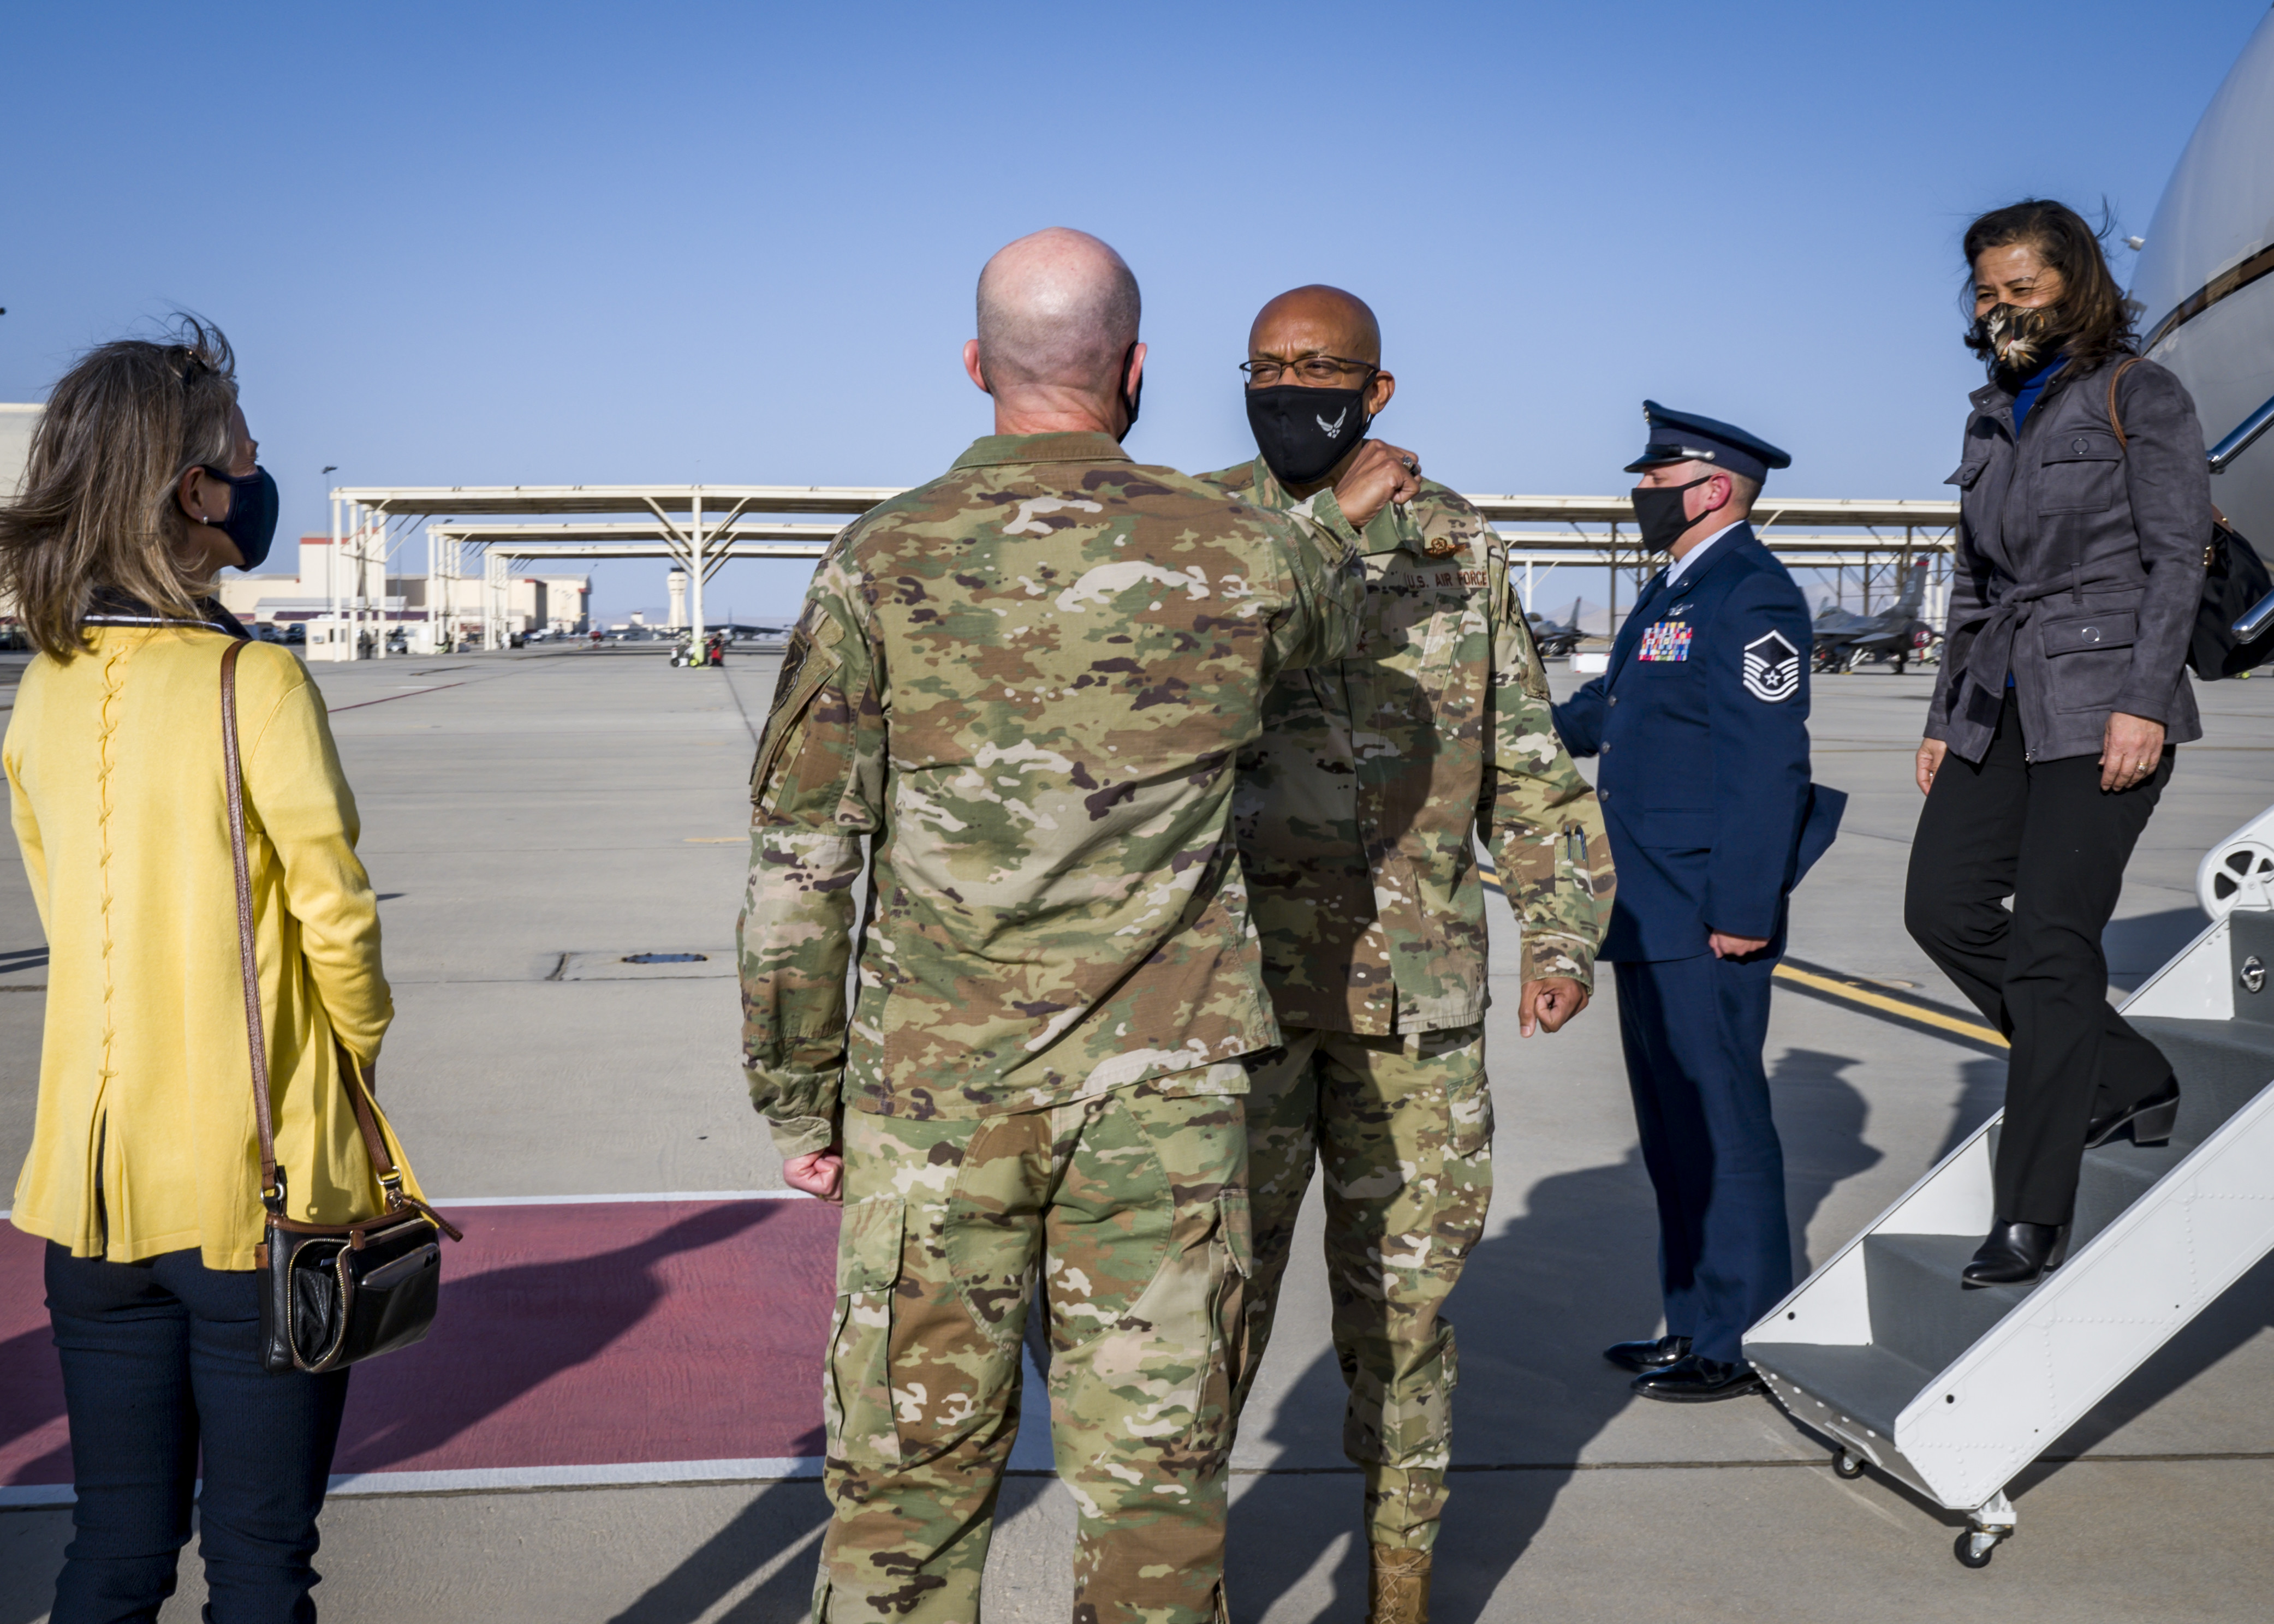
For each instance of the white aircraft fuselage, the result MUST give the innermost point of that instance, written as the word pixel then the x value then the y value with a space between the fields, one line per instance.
pixel 2205 279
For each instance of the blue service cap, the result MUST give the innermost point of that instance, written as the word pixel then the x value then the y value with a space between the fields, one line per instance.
pixel 1685 437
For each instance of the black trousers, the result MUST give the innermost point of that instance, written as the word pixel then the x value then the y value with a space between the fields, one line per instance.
pixel 162 1373
pixel 2046 834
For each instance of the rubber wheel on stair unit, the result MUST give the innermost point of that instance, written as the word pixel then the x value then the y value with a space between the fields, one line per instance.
pixel 1975 1546
pixel 1847 1464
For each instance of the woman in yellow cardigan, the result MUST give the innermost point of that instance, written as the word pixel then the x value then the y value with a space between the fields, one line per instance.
pixel 144 1172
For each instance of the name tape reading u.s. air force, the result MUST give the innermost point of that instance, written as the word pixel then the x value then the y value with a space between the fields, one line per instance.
pixel 1771 668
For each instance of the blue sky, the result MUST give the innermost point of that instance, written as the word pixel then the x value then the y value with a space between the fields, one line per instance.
pixel 490 245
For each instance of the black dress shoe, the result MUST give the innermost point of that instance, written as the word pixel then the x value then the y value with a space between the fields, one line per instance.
pixel 1647 1355
pixel 2017 1253
pixel 1691 1380
pixel 2150 1122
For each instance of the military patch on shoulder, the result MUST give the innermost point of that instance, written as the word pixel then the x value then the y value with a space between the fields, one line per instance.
pixel 794 658
pixel 1771 668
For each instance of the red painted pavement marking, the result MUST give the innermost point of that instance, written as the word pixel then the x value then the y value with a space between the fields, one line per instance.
pixel 569 1335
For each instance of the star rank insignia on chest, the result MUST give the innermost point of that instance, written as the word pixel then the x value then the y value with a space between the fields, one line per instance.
pixel 1771 668
pixel 1669 640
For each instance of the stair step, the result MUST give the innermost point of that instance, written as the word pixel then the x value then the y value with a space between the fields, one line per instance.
pixel 2220 1064
pixel 1919 1311
pixel 2114 1178
pixel 1869 1384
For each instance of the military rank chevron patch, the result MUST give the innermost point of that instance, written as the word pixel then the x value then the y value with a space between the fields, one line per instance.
pixel 1771 668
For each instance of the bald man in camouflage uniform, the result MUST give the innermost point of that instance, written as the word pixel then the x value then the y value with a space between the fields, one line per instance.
pixel 1025 684
pixel 1357 816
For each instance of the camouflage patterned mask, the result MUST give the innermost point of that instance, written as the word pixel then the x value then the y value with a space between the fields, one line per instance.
pixel 1303 432
pixel 2018 339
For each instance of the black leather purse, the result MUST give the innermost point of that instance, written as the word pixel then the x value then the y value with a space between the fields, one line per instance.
pixel 330 1294
pixel 2234 581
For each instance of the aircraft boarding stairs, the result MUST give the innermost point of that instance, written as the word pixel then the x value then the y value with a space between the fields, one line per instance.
pixel 1955 1392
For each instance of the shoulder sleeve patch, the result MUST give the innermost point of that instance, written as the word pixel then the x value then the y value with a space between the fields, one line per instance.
pixel 794 658
pixel 1771 668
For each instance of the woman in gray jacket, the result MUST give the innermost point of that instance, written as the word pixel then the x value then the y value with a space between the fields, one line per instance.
pixel 2063 691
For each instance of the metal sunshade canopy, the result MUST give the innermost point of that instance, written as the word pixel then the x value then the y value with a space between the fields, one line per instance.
pixel 472 502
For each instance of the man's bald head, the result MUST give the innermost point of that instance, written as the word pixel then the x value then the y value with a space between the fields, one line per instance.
pixel 1316 319
pixel 1057 310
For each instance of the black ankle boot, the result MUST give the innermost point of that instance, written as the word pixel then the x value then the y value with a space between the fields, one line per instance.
pixel 2150 1122
pixel 2017 1253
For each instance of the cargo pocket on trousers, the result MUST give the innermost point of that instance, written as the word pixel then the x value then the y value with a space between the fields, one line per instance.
pixel 1409 1427
pixel 1230 1262
pixel 856 1388
pixel 1469 1114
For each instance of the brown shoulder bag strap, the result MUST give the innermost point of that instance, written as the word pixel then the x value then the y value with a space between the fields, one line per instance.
pixel 272 1183
pixel 2210 547
pixel 272 1190
pixel 2116 422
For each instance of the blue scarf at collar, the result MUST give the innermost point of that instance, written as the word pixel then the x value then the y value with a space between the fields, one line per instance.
pixel 2026 396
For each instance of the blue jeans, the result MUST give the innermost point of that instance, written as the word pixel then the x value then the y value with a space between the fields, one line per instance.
pixel 162 1361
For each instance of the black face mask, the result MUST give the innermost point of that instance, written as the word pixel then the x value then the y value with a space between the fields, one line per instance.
pixel 1130 399
pixel 1657 509
pixel 251 522
pixel 1303 432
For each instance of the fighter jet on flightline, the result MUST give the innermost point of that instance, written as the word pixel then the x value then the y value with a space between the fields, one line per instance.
pixel 1845 641
pixel 1554 637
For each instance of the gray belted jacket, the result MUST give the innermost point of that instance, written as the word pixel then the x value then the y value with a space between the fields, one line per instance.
pixel 2079 566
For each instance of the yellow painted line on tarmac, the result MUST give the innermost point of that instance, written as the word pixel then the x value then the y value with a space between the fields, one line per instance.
pixel 1848 992
pixel 1918 1013
pixel 716 839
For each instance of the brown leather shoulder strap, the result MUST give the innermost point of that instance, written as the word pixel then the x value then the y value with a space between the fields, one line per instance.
pixel 272 1187
pixel 358 1087
pixel 272 1194
pixel 2115 378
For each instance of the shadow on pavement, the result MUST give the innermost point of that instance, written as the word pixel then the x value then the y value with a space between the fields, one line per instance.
pixel 1573 1272
pixel 2244 1310
pixel 1982 1095
pixel 2136 948
pixel 31 1554
pixel 32 1398
pixel 784 1518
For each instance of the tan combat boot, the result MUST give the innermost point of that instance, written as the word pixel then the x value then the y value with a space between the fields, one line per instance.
pixel 1397 1586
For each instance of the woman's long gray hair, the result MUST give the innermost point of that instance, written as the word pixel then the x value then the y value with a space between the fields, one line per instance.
pixel 96 512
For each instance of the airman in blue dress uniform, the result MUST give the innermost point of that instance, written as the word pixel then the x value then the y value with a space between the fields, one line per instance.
pixel 1702 723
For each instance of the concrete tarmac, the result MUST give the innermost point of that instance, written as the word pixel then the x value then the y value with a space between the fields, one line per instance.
pixel 532 818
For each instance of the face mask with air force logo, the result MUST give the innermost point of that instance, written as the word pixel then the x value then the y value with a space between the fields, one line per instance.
pixel 1303 432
